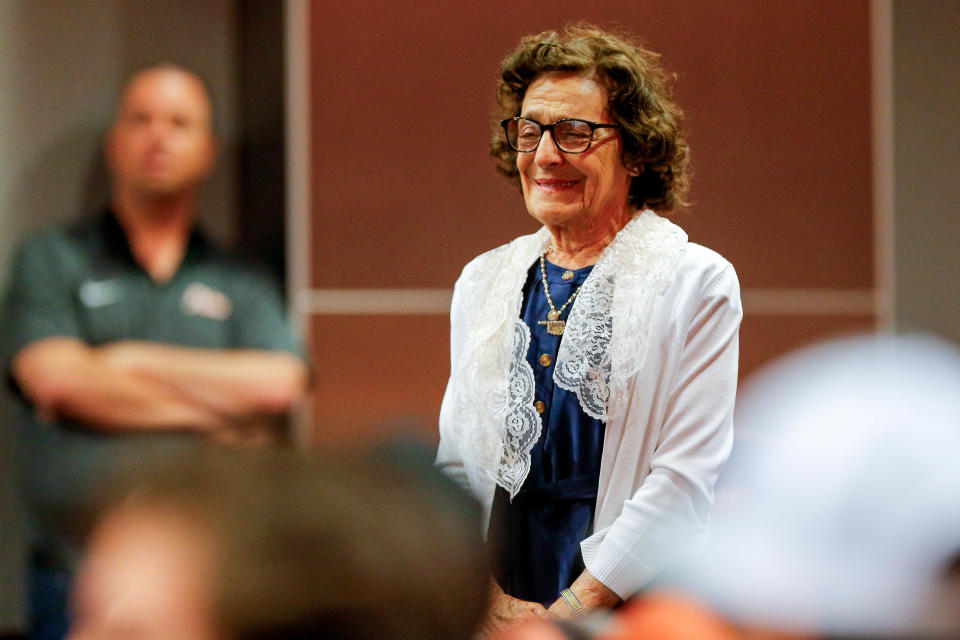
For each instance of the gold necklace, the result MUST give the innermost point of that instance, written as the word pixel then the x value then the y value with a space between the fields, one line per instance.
pixel 555 325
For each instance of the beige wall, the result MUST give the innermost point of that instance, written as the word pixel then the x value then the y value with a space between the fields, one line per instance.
pixel 926 80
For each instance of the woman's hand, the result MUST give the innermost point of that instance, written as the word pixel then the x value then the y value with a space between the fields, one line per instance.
pixel 591 593
pixel 505 611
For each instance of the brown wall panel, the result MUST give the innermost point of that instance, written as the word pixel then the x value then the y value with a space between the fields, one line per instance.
pixel 777 94
pixel 763 337
pixel 378 377
pixel 404 192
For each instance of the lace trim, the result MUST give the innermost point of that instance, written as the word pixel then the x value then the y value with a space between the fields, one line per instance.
pixel 522 424
pixel 604 344
pixel 496 424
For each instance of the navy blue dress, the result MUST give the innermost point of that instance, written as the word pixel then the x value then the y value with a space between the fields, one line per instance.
pixel 535 539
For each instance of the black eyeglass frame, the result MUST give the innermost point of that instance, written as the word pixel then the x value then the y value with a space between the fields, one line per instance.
pixel 549 127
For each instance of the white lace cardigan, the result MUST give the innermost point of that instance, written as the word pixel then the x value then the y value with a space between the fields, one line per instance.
pixel 650 348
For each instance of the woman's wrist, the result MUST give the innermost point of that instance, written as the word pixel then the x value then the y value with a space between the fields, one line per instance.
pixel 593 594
pixel 572 601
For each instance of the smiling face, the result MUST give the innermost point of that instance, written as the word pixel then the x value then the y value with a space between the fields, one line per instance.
pixel 161 144
pixel 567 190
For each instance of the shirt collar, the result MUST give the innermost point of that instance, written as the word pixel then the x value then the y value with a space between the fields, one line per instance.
pixel 117 246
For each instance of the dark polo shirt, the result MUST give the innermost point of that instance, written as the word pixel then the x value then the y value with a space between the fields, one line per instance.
pixel 83 282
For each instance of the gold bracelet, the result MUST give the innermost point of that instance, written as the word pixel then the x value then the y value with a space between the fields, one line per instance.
pixel 572 601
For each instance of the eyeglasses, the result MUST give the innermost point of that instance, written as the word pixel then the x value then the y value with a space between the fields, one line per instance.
pixel 569 134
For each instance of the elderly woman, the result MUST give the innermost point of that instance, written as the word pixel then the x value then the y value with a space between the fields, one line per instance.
pixel 594 362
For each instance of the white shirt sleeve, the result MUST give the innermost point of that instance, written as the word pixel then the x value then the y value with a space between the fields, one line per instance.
pixel 448 452
pixel 670 509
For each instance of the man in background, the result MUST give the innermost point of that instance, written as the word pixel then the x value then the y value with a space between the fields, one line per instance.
pixel 132 331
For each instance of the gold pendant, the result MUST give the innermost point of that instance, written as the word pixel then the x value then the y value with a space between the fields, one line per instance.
pixel 554 327
pixel 553 315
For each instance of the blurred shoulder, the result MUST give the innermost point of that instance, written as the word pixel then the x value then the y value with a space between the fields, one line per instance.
pixel 242 273
pixel 55 243
pixel 57 234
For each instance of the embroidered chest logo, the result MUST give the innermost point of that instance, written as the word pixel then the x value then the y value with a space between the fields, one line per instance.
pixel 202 300
pixel 100 293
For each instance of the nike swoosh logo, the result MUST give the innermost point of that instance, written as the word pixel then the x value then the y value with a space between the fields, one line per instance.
pixel 100 293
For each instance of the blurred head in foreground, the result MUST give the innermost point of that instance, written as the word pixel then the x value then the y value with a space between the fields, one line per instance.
pixel 841 515
pixel 254 545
